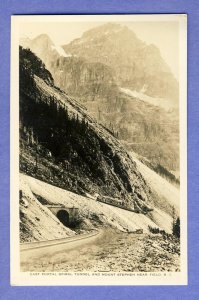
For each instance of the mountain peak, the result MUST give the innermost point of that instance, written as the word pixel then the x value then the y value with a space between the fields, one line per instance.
pixel 43 37
pixel 107 30
pixel 134 62
pixel 108 27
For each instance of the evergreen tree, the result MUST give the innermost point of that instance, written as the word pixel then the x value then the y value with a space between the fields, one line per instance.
pixel 176 228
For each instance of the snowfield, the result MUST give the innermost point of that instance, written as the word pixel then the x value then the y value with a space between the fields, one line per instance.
pixel 160 102
pixel 59 50
pixel 92 212
pixel 162 187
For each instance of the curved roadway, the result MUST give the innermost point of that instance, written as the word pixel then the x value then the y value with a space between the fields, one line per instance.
pixel 36 250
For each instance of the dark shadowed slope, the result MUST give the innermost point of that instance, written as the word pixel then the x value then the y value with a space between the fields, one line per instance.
pixel 62 145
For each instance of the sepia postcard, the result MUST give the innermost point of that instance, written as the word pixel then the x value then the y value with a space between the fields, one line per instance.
pixel 98 150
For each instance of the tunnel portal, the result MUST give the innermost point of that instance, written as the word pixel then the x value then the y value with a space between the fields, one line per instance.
pixel 66 215
pixel 63 217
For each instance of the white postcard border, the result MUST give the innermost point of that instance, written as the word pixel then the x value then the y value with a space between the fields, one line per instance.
pixel 149 278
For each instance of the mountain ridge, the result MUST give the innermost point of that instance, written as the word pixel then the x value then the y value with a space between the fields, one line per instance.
pixel 61 144
pixel 95 85
pixel 133 60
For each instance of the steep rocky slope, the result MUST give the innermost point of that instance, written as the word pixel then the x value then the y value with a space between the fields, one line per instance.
pixel 135 64
pixel 43 47
pixel 36 221
pixel 61 144
pixel 94 214
pixel 75 75
pixel 146 125
pixel 146 129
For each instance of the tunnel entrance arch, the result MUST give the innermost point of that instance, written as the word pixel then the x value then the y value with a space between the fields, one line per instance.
pixel 66 215
pixel 63 217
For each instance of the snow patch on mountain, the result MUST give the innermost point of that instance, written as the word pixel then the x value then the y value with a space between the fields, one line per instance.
pixel 160 102
pixel 60 50
pixel 162 187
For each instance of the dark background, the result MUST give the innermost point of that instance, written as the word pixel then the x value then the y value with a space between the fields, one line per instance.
pixel 20 7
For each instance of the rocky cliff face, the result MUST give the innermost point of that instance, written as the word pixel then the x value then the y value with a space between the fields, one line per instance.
pixel 95 67
pixel 81 78
pixel 135 64
pixel 75 75
pixel 61 144
pixel 43 47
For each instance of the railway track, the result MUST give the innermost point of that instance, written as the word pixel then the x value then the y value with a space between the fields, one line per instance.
pixel 120 204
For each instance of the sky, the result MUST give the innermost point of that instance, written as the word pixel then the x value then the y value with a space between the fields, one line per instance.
pixel 165 35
